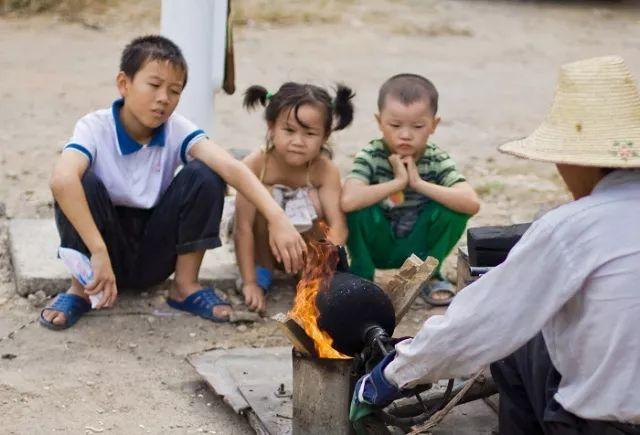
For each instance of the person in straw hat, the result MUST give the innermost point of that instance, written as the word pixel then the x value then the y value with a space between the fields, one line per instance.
pixel 558 319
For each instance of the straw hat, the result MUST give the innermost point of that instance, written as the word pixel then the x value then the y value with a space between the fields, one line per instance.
pixel 594 119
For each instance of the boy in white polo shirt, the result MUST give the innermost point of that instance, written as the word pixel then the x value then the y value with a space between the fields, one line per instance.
pixel 118 202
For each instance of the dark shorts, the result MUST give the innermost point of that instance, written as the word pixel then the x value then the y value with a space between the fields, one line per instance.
pixel 143 244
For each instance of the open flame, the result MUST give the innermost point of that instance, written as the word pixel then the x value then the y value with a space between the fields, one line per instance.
pixel 322 258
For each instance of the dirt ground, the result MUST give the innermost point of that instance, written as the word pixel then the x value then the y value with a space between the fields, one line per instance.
pixel 124 371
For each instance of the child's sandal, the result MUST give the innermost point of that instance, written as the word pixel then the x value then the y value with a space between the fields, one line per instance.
pixel 263 278
pixel 435 286
pixel 201 303
pixel 72 306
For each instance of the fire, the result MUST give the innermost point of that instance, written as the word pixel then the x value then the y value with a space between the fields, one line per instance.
pixel 322 259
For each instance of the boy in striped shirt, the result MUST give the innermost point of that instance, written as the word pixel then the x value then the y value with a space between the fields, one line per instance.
pixel 404 195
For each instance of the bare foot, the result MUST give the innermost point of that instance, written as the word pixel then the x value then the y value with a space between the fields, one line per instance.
pixel 179 292
pixel 441 295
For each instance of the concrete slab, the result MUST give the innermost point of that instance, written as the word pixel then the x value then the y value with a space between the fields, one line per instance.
pixel 247 379
pixel 34 243
pixel 274 414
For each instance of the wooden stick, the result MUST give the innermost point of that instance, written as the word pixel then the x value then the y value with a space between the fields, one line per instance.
pixel 482 388
pixel 296 335
pixel 440 415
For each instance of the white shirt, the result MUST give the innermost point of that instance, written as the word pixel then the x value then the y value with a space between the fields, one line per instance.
pixel 134 174
pixel 575 275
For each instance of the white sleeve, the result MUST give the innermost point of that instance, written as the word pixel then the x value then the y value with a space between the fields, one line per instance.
pixel 495 315
pixel 83 140
pixel 185 133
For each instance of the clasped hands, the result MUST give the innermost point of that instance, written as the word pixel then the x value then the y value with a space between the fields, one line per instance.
pixel 405 171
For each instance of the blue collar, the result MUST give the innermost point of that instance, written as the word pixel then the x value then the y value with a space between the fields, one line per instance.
pixel 126 143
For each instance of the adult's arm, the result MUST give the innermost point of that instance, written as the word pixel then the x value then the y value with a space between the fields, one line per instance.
pixel 495 315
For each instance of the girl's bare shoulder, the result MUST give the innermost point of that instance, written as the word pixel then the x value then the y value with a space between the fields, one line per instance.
pixel 255 161
pixel 323 169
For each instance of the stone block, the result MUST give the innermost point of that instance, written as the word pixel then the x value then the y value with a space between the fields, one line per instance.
pixel 34 243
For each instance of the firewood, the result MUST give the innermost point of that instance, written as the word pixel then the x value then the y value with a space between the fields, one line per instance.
pixel 237 316
pixel 296 335
pixel 405 285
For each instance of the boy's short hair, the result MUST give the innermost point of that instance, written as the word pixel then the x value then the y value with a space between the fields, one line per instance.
pixel 409 88
pixel 151 47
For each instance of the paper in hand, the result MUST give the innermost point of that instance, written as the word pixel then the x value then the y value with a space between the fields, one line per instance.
pixel 80 267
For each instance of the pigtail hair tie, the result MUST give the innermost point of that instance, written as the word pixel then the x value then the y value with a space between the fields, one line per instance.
pixel 342 106
pixel 255 94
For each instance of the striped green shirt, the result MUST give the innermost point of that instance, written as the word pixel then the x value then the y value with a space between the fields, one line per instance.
pixel 371 165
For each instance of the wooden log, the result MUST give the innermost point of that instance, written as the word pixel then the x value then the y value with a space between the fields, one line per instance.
pixel 237 316
pixel 296 335
pixel 321 395
pixel 462 269
pixel 405 285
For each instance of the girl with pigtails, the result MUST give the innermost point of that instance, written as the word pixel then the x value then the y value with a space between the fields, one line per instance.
pixel 295 165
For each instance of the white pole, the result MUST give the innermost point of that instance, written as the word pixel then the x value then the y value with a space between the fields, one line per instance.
pixel 191 24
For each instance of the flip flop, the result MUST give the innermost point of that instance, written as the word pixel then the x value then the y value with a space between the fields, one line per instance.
pixel 435 286
pixel 72 306
pixel 201 303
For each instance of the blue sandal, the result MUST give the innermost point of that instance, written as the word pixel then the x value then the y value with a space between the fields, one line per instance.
pixel 201 303
pixel 72 306
pixel 263 278
pixel 434 286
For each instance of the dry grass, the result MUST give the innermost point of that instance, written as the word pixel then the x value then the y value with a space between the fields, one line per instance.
pixel 97 14
pixel 27 6
pixel 245 12
pixel 62 7
pixel 93 14
pixel 288 12
pixel 431 29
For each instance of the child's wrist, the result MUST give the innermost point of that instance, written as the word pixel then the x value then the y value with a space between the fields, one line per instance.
pixel 420 183
pixel 275 215
pixel 98 249
pixel 399 184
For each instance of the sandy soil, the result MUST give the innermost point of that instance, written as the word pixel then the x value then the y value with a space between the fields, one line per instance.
pixel 495 64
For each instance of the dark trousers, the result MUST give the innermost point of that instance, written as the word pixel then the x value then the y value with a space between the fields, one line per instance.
pixel 143 244
pixel 527 381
